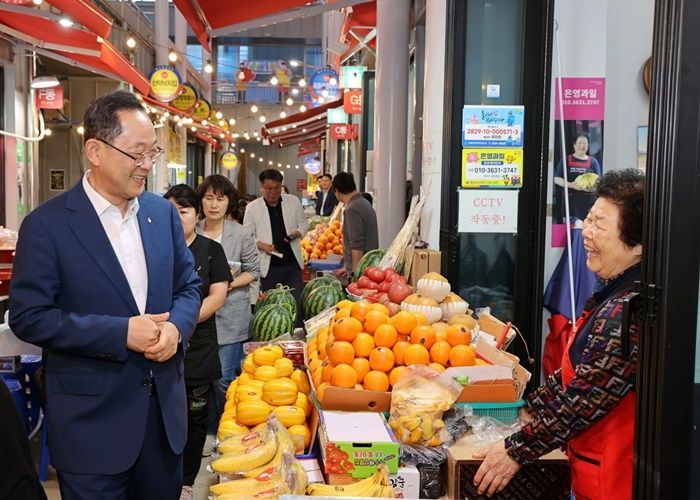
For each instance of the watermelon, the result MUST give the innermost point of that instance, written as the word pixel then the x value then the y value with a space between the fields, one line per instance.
pixel 271 321
pixel 278 295
pixel 320 299
pixel 371 258
pixel 317 282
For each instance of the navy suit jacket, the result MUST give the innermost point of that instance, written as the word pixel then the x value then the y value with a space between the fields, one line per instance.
pixel 331 202
pixel 70 296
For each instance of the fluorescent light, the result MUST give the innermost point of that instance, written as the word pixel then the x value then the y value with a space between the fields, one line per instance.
pixel 65 22
pixel 44 82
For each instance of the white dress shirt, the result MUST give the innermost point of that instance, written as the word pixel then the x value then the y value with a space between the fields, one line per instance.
pixel 125 237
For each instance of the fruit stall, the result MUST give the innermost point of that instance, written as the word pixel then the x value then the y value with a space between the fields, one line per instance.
pixel 396 383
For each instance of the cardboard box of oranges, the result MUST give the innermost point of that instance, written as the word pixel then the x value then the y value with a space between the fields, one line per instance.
pixel 355 360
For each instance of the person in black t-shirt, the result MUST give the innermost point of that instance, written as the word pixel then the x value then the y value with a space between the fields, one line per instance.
pixel 202 366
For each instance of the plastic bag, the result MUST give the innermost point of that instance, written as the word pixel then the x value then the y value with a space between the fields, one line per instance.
pixel 244 471
pixel 488 430
pixel 418 402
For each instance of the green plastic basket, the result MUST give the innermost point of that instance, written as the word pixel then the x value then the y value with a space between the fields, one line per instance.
pixel 503 412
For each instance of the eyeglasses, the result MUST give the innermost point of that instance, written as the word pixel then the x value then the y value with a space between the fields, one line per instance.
pixel 153 156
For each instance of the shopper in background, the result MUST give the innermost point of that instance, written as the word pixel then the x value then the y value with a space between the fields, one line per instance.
pixel 285 189
pixel 325 197
pixel 18 480
pixel 104 283
pixel 278 223
pixel 219 199
pixel 588 405
pixel 202 367
pixel 359 223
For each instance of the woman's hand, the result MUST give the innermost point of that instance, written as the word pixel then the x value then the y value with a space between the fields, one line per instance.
pixel 496 470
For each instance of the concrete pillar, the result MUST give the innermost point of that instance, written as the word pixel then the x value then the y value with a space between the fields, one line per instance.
pixel 159 174
pixel 433 111
pixel 181 65
pixel 390 116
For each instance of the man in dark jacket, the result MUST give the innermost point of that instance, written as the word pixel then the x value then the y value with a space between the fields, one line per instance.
pixel 325 197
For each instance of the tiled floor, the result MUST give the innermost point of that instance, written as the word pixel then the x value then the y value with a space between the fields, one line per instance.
pixel 201 485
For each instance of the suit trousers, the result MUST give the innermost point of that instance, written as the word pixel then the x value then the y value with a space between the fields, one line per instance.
pixel 157 472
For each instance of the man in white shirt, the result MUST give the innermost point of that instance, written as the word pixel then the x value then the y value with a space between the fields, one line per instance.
pixel 104 283
pixel 278 223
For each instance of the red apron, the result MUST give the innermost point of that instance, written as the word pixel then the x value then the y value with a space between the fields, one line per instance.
pixel 601 457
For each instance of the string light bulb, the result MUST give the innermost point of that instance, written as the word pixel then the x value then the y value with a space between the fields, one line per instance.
pixel 289 101
pixel 302 82
pixel 208 68
pixel 274 80
pixel 232 121
pixel 81 129
pixel 283 114
pixel 302 108
pixel 262 118
pixel 131 42
pixel 219 115
pixel 172 56
pixel 253 109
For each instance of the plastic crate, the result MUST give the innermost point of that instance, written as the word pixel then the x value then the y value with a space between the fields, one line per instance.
pixel 503 412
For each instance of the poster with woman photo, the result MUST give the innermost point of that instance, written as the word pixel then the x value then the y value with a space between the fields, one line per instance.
pixel 581 162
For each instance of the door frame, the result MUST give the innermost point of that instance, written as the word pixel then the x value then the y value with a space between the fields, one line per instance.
pixel 538 24
pixel 671 260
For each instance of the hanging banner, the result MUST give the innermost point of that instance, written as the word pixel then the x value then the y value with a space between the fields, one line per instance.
pixel 309 147
pixel 583 103
pixel 487 211
pixel 166 83
pixel 492 167
pixel 202 110
pixel 175 149
pixel 343 131
pixel 352 102
pixel 187 99
pixel 492 126
pixel 324 81
pixel 229 160
pixel 51 98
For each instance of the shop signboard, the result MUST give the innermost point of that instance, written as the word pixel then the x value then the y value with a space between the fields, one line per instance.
pixel 492 167
pixel 202 110
pixel 343 131
pixel 352 102
pixel 229 160
pixel 312 165
pixel 492 126
pixel 175 149
pixel 50 98
pixel 187 99
pixel 166 83
pixel 310 146
pixel 324 83
pixel 336 115
pixel 301 184
pixel 351 77
pixel 488 211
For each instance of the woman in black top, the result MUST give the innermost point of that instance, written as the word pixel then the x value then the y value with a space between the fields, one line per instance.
pixel 202 367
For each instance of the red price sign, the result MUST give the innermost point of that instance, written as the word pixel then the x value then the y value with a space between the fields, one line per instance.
pixel 51 98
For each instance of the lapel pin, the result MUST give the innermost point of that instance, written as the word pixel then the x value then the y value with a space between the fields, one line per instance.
pixel 148 219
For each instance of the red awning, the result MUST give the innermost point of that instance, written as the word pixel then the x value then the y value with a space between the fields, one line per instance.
pixel 195 18
pixel 73 45
pixel 46 33
pixel 85 13
pixel 359 25
pixel 111 62
pixel 299 126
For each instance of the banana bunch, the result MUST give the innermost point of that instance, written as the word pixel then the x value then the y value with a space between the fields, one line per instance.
pixel 586 181
pixel 268 483
pixel 249 458
pixel 377 485
pixel 423 429
pixel 242 442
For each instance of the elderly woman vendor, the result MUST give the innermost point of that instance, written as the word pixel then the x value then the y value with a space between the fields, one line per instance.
pixel 587 406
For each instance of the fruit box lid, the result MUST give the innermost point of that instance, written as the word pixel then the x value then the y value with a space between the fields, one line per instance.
pixel 355 427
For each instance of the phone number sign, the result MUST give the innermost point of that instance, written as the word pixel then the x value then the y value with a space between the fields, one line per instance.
pixel 492 167
pixel 492 126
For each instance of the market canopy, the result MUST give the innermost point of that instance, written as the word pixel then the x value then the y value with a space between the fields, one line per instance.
pixel 359 29
pixel 76 46
pixel 212 18
pixel 300 127
pixel 85 13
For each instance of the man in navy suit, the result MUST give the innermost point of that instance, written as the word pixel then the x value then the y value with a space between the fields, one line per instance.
pixel 104 283
pixel 325 197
